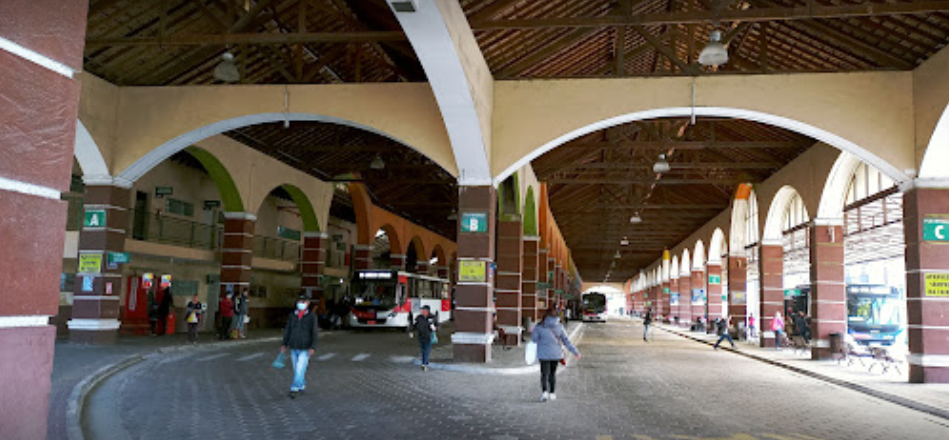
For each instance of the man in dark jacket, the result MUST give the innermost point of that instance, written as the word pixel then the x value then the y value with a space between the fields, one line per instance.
pixel 723 334
pixel 300 337
pixel 164 308
pixel 801 324
pixel 425 325
pixel 647 321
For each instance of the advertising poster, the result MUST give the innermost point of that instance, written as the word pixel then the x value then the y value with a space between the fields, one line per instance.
pixel 698 297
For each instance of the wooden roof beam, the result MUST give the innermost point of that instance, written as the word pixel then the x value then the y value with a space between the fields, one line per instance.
pixel 677 166
pixel 250 38
pixel 647 181
pixel 686 145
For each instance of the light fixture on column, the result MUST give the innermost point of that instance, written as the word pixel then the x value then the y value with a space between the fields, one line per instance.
pixel 377 163
pixel 635 219
pixel 714 53
pixel 226 70
pixel 661 165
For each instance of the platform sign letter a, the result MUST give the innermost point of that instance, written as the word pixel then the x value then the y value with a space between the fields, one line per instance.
pixel 94 219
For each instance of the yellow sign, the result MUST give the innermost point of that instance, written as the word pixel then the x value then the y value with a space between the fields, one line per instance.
pixel 472 271
pixel 90 263
pixel 937 284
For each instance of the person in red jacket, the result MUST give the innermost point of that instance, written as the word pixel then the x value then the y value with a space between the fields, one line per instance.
pixel 226 308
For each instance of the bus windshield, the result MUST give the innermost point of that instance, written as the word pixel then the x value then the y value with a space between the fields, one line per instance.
pixel 374 293
pixel 873 310
pixel 594 302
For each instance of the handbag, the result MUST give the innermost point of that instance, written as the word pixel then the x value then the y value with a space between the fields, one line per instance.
pixel 530 353
pixel 280 361
pixel 434 338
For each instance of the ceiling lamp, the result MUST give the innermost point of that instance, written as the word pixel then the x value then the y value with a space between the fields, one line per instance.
pixel 714 53
pixel 635 219
pixel 618 255
pixel 404 6
pixel 624 242
pixel 661 166
pixel 226 70
pixel 377 163
pixel 453 215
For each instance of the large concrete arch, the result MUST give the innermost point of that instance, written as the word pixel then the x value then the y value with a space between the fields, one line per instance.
pixel 834 195
pixel 226 188
pixel 674 268
pixel 530 213
pixel 418 245
pixel 89 156
pixel 740 206
pixel 715 247
pixel 931 110
pixel 395 242
pixel 772 229
pixel 698 256
pixel 685 266
pixel 307 214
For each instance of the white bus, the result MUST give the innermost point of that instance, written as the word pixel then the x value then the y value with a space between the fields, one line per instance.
pixel 594 307
pixel 388 298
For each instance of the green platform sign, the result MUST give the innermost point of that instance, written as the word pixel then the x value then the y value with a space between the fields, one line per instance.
pixel 117 258
pixel 715 279
pixel 936 229
pixel 94 218
pixel 474 222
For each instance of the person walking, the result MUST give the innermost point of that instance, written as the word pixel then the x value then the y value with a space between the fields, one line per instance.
pixel 751 326
pixel 722 329
pixel 802 327
pixel 425 325
pixel 300 337
pixel 777 326
pixel 551 339
pixel 240 309
pixel 193 312
pixel 647 321
pixel 165 304
pixel 226 307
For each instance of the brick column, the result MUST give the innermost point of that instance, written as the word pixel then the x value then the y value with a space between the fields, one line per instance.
pixel 685 300
pixel 737 282
pixel 473 313
pixel 927 311
pixel 95 312
pixel 508 283
pixel 397 261
pixel 665 298
pixel 713 301
pixel 673 299
pixel 828 287
pixel 312 263
pixel 238 251
pixel 559 286
pixel 529 277
pixel 699 282
pixel 542 277
pixel 362 257
pixel 772 289
pixel 37 139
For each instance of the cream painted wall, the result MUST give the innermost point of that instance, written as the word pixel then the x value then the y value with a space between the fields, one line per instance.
pixel 930 99
pixel 189 185
pixel 274 213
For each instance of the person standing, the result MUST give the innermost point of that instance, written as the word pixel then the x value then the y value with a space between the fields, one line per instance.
pixel 193 312
pixel 722 329
pixel 226 307
pixel 240 309
pixel 300 337
pixel 165 305
pixel 777 326
pixel 647 320
pixel 152 311
pixel 551 339
pixel 800 323
pixel 425 325
pixel 751 326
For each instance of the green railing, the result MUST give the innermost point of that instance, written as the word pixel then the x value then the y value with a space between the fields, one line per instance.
pixel 277 248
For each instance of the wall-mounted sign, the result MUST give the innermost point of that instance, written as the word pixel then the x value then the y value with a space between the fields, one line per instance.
pixel 147 280
pixel 114 259
pixel 937 284
pixel 165 281
pixel 738 298
pixel 474 222
pixel 87 284
pixel 94 218
pixel 674 299
pixel 211 204
pixel 935 229
pixel 108 288
pixel 698 297
pixel 472 271
pixel 90 263
pixel 162 191
pixel 715 279
pixel 666 290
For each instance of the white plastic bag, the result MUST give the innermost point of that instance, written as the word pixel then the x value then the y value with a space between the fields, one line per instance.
pixel 530 353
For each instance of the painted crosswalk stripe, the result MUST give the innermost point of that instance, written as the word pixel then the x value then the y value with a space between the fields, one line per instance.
pixel 360 357
pixel 212 357
pixel 326 356
pixel 402 359
pixel 249 357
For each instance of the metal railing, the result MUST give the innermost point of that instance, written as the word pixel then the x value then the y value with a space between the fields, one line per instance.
pixel 179 232
pixel 276 248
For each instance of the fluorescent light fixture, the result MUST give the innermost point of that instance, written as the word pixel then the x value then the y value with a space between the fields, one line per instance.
pixel 635 219
pixel 714 53
pixel 226 70
pixel 404 5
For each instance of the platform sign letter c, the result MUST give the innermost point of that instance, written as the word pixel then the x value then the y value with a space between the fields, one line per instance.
pixel 940 235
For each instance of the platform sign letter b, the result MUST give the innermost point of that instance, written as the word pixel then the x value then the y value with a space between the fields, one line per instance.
pixel 474 222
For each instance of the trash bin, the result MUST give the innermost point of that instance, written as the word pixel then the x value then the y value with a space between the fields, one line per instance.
pixel 837 343
pixel 170 324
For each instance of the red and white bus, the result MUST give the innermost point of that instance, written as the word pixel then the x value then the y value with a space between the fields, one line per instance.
pixel 389 298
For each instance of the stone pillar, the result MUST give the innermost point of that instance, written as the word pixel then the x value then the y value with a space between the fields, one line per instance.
pixel 673 300
pixel 362 257
pixel 737 282
pixel 507 288
pixel 665 298
pixel 713 301
pixel 529 277
pixel 543 294
pixel 927 259
pixel 685 301
pixel 828 287
pixel 38 112
pixel 474 311
pixel 238 251
pixel 313 262
pixel 772 289
pixel 699 282
pixel 397 261
pixel 95 311
pixel 559 286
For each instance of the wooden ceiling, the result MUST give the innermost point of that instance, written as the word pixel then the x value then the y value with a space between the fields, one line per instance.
pixel 597 182
pixel 600 38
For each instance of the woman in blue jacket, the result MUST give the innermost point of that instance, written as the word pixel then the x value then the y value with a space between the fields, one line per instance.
pixel 551 339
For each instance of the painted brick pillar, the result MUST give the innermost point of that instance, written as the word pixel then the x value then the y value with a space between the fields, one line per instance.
pixel 95 312
pixel 38 112
pixel 507 287
pixel 529 277
pixel 543 301
pixel 362 257
pixel 713 301
pixel 397 261
pixel 673 300
pixel 737 282
pixel 772 289
pixel 474 304
pixel 237 253
pixel 665 298
pixel 699 282
pixel 559 287
pixel 313 262
pixel 927 311
pixel 828 287
pixel 685 301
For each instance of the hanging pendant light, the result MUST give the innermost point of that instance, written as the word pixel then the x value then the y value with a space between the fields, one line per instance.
pixel 618 255
pixel 635 219
pixel 624 242
pixel 377 163
pixel 714 53
pixel 661 165
pixel 226 70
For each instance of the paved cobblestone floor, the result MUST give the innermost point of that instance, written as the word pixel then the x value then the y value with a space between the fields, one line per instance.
pixel 365 387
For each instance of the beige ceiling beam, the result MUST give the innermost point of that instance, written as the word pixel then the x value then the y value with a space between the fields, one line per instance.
pixel 250 38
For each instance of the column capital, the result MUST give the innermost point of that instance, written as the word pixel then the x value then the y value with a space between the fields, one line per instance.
pixel 924 184
pixel 240 216
pixel 315 235
pixel 827 222
pixel 106 180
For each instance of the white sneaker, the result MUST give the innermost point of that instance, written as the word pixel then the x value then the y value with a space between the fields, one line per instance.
pixel 544 397
pixel 553 396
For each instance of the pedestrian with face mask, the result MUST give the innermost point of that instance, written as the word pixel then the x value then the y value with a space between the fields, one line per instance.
pixel 425 325
pixel 226 308
pixel 300 338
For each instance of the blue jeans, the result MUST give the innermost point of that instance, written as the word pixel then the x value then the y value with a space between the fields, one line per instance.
pixel 723 337
pixel 646 332
pixel 426 347
pixel 300 358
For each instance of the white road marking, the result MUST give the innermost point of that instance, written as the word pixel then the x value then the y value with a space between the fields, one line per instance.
pixel 402 359
pixel 361 357
pixel 212 357
pixel 249 357
pixel 326 357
